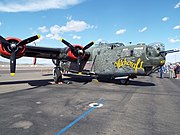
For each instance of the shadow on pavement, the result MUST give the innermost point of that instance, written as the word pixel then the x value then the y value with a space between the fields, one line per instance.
pixel 86 79
pixel 30 82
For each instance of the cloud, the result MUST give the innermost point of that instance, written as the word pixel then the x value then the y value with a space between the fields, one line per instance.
pixel 121 31
pixel 53 36
pixel 55 29
pixel 174 40
pixel 43 29
pixel 76 37
pixel 177 5
pixel 55 32
pixel 143 29
pixel 99 40
pixel 176 27
pixel 0 23
pixel 35 5
pixel 69 17
pixel 164 19
pixel 71 26
pixel 75 26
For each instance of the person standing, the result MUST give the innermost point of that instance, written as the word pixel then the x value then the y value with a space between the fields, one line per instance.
pixel 171 70
pixel 162 71
pixel 178 71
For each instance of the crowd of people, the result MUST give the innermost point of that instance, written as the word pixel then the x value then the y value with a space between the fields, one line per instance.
pixel 170 71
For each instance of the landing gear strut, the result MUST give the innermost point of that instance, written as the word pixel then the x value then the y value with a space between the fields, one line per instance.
pixel 57 75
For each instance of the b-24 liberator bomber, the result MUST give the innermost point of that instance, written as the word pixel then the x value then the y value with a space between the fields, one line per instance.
pixel 105 60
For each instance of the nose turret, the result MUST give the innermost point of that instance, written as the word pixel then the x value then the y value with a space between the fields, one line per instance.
pixel 158 46
pixel 155 59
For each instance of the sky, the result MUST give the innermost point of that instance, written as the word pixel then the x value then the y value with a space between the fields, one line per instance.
pixel 82 21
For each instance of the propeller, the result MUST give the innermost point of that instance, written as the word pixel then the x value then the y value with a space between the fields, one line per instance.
pixel 68 44
pixel 28 40
pixel 88 45
pixel 79 60
pixel 77 52
pixel 4 41
pixel 13 48
pixel 35 59
pixel 13 63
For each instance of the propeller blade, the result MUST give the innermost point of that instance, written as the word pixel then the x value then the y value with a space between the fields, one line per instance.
pixel 79 61
pixel 13 63
pixel 68 44
pixel 88 45
pixel 4 41
pixel 28 40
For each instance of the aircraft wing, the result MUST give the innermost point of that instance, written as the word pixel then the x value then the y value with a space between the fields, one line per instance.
pixel 14 48
pixel 45 52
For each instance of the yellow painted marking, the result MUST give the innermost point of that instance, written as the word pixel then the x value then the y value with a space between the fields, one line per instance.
pixel 80 73
pixel 138 65
pixel 12 74
pixel 162 62
pixel 61 39
pixel 39 35
pixel 95 80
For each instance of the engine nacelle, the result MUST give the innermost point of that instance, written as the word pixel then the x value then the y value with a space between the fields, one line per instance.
pixel 5 51
pixel 74 55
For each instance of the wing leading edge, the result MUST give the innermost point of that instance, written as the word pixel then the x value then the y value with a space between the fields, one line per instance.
pixel 45 52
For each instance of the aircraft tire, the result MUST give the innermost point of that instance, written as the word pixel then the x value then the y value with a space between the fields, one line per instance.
pixel 124 81
pixel 57 75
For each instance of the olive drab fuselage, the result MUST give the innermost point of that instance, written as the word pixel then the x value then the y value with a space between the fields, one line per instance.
pixel 118 60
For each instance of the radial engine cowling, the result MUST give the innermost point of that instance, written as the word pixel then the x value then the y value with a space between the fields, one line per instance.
pixel 13 48
pixel 77 52
pixel 73 54
pixel 6 50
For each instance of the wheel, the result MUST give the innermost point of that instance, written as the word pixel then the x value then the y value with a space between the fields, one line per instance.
pixel 124 81
pixel 57 75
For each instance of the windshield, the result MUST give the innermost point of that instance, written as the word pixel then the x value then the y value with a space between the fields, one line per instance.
pixel 151 51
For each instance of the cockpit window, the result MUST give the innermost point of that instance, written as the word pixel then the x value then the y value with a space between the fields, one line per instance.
pixel 158 46
pixel 151 51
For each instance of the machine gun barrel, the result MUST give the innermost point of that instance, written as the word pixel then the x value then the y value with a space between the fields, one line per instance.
pixel 169 51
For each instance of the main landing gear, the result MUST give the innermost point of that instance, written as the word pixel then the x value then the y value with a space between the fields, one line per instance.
pixel 124 81
pixel 57 74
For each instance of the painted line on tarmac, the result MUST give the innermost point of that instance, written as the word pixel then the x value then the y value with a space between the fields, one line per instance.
pixel 100 101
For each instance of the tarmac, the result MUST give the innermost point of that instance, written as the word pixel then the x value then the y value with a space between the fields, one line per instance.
pixel 31 104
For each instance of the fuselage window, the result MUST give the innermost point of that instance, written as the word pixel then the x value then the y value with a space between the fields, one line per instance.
pixel 138 51
pixel 132 53
pixel 125 52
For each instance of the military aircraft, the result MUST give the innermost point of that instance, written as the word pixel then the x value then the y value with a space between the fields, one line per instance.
pixel 104 60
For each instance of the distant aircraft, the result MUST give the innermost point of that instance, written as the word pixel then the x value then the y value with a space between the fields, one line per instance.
pixel 105 60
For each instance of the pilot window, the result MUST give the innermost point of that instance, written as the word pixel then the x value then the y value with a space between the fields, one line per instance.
pixel 138 51
pixel 150 51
